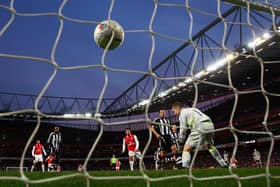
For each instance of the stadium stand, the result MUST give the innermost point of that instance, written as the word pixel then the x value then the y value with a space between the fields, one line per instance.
pixel 77 142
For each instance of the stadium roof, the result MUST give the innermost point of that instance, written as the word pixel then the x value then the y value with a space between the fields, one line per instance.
pixel 203 70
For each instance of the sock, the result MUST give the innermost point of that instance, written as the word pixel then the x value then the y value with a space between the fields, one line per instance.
pixel 178 160
pixel 32 168
pixel 43 167
pixel 186 158
pixel 156 165
pixel 217 156
pixel 131 165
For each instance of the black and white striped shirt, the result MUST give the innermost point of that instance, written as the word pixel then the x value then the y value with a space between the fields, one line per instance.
pixel 174 137
pixel 55 140
pixel 162 129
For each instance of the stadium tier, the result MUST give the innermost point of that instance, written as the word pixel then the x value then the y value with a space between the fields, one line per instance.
pixel 77 141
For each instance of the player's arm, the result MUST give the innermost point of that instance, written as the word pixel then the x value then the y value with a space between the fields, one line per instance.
pixel 152 127
pixel 47 158
pixel 33 151
pixel 123 146
pixel 49 138
pixel 136 142
pixel 155 132
pixel 183 120
pixel 60 140
pixel 44 152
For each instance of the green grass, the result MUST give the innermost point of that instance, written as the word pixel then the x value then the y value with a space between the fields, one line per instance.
pixel 80 181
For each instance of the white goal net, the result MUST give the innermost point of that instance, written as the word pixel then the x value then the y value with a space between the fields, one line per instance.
pixel 217 35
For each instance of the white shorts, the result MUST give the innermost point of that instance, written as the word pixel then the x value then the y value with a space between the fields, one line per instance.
pixel 117 168
pixel 134 153
pixel 196 139
pixel 38 158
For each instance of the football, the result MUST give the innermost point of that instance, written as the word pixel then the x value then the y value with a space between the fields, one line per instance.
pixel 104 31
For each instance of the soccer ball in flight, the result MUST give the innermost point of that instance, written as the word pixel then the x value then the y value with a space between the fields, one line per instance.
pixel 104 31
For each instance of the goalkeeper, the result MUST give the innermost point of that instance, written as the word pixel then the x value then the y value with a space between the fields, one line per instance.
pixel 200 125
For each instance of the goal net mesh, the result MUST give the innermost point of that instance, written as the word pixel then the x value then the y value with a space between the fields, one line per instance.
pixel 260 34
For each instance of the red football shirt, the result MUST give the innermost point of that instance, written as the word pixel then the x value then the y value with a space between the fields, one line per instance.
pixel 50 159
pixel 38 149
pixel 130 142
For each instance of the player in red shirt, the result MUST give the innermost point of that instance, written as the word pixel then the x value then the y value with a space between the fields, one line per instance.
pixel 37 152
pixel 132 143
pixel 118 165
pixel 233 162
pixel 50 159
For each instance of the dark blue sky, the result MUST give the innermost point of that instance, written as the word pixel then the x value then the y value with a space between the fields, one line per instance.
pixel 34 36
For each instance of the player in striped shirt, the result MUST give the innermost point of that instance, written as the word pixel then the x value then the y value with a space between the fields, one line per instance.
pixel 162 129
pixel 202 133
pixel 54 142
pixel 37 152
pixel 157 159
pixel 174 137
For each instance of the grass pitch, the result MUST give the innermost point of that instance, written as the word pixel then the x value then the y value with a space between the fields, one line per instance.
pixel 79 181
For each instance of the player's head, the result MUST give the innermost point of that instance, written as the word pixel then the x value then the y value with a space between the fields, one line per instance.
pixel 177 107
pixel 56 129
pixel 162 113
pixel 38 141
pixel 113 156
pixel 127 131
pixel 174 128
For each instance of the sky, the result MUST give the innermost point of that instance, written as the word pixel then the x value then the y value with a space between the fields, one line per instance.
pixel 34 36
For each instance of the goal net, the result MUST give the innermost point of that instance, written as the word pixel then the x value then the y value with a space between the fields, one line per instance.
pixel 219 50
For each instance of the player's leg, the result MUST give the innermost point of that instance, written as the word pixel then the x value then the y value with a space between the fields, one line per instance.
pixel 169 149
pixel 131 155
pixel 173 149
pixel 57 158
pixel 35 162
pixel 192 142
pixel 138 155
pixel 156 164
pixel 186 156
pixel 258 163
pixel 42 166
pixel 41 161
pixel 162 155
pixel 33 165
pixel 209 145
pixel 176 158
